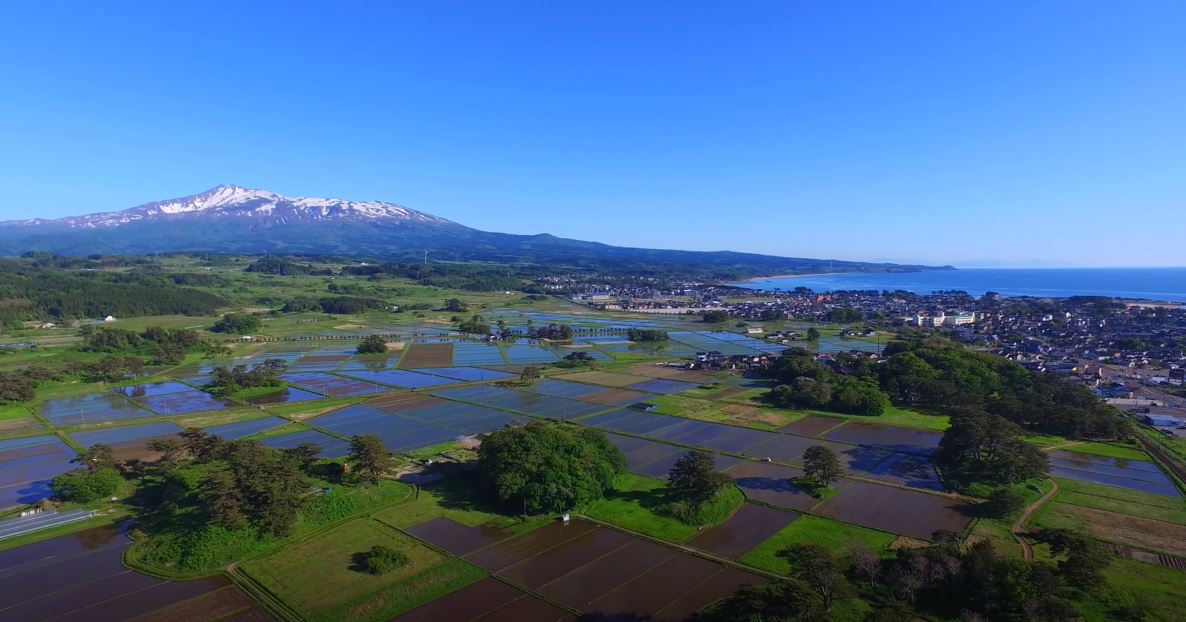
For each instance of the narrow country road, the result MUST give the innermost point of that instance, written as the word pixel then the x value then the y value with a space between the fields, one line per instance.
pixel 1026 550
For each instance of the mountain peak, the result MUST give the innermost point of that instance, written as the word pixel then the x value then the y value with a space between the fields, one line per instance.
pixel 254 206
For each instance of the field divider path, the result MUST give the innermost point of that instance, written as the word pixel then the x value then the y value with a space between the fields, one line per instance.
pixel 494 575
pixel 1027 551
pixel 725 561
pixel 261 595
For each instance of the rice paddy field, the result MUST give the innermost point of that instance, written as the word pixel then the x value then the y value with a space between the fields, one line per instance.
pixel 616 561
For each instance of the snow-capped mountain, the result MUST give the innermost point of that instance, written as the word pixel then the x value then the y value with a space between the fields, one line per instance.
pixel 235 220
pixel 259 206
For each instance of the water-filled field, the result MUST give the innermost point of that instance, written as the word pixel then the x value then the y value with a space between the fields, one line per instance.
pixel 91 408
pixel 28 464
pixel 238 430
pixel 522 401
pixel 1131 474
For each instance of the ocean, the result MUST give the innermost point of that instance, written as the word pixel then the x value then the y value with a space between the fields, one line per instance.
pixel 1160 284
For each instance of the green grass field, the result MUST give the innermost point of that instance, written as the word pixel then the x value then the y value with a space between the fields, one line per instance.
pixel 1122 501
pixel 1109 450
pixel 320 577
pixel 455 499
pixel 833 536
pixel 640 504
pixel 1156 590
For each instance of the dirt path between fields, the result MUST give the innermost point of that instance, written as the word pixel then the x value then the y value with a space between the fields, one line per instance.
pixel 1026 550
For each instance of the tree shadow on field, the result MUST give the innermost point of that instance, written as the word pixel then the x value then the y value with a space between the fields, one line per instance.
pixel 657 501
pixel 460 488
pixel 358 562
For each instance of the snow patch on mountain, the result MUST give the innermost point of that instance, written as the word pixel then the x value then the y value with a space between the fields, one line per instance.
pixel 260 206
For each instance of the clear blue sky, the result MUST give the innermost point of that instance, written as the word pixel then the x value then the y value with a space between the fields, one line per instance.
pixel 1029 132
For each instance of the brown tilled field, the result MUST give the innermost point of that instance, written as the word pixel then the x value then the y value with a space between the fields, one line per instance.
pixel 603 378
pixel 1144 533
pixel 427 355
pixel 215 605
pixel 670 373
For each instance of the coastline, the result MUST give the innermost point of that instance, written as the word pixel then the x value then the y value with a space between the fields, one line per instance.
pixel 755 279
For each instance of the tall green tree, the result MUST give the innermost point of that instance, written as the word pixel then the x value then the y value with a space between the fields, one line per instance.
pixel 272 485
pixel 694 478
pixel 83 486
pixel 97 456
pixel 818 569
pixel 548 466
pixel 223 500
pixel 822 465
pixel 240 323
pixel 372 344
pixel 369 457
pixel 171 450
pixel 529 375
pixel 983 447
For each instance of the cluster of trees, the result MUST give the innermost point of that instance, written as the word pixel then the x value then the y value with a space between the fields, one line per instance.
pixel 555 332
pixel 455 305
pixel 98 477
pixel 646 334
pixel 239 484
pixel 715 317
pixel 803 382
pixel 229 380
pixel 942 581
pixel 285 266
pixel 372 344
pixel 238 323
pixel 42 290
pixel 164 345
pixel 548 466
pixel 467 277
pixel 576 359
pixel 979 447
pixel 111 368
pixel 937 374
pixel 197 279
pixel 338 305
pixel 20 385
pixel 382 559
pixel 474 326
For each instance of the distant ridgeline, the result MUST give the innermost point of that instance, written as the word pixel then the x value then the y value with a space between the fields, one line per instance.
pixel 49 288
pixel 235 220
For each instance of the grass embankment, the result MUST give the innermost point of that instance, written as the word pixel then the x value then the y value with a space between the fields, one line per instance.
pixel 642 504
pixel 1125 451
pixel 832 535
pixel 1157 590
pixel 202 550
pixel 458 500
pixel 999 530
pixel 321 577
